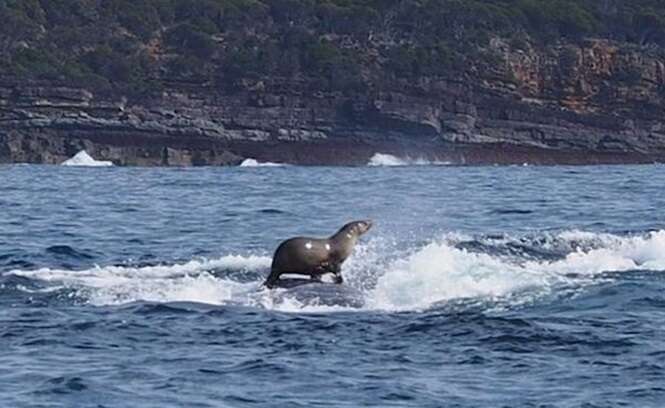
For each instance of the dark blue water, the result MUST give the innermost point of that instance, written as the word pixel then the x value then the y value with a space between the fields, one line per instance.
pixel 477 287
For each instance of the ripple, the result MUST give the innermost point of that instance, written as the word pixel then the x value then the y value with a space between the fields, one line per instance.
pixel 512 212
pixel 65 385
pixel 161 308
pixel 83 326
pixel 591 337
pixel 66 250
pixel 271 211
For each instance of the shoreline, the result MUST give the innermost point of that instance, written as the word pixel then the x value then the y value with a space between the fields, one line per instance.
pixel 163 152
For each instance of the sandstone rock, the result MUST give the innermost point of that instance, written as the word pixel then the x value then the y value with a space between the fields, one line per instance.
pixel 593 101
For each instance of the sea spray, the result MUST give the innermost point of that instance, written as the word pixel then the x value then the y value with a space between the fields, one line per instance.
pixel 83 159
pixel 256 163
pixel 388 160
pixel 415 279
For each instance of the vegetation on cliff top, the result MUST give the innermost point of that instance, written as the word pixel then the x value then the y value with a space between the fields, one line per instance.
pixel 142 46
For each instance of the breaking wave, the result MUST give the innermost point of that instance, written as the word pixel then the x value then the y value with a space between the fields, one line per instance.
pixel 195 281
pixel 255 163
pixel 442 271
pixel 83 159
pixel 499 270
pixel 382 159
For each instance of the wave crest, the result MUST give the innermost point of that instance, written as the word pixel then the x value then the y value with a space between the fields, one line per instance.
pixel 385 276
pixel 194 281
pixel 440 271
pixel 256 163
pixel 82 158
pixel 388 160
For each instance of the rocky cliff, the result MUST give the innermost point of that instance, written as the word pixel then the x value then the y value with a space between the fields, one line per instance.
pixel 587 100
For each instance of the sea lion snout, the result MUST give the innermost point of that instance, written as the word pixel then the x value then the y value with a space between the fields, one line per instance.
pixel 354 229
pixel 364 226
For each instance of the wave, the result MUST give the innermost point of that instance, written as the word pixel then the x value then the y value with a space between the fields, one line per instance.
pixel 200 281
pixel 255 163
pixel 388 160
pixel 440 271
pixel 498 269
pixel 82 158
pixel 67 251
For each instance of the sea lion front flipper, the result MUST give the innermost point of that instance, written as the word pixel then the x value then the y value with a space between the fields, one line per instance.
pixel 336 269
pixel 338 279
pixel 272 279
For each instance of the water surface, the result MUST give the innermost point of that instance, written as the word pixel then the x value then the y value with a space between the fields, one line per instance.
pixel 478 286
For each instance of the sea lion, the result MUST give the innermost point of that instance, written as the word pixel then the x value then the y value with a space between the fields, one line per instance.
pixel 316 256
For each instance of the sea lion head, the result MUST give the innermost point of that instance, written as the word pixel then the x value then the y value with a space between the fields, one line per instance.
pixel 357 228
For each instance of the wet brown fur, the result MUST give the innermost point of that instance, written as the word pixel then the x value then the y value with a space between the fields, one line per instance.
pixel 294 256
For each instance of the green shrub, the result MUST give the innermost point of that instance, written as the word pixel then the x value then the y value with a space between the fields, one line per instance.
pixel 129 45
pixel 649 26
pixel 35 63
pixel 320 56
pixel 191 41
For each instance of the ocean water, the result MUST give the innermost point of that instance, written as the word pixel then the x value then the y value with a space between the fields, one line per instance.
pixel 477 287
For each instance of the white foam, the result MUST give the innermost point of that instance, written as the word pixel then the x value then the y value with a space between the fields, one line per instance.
pixel 382 159
pixel 614 254
pixel 414 279
pixel 274 300
pixel 440 272
pixel 82 158
pixel 191 281
pixel 589 238
pixel 255 163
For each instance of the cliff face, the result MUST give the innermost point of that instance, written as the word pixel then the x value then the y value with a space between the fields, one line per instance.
pixel 595 102
pixel 500 101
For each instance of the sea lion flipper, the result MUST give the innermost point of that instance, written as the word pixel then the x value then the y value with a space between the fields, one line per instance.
pixel 272 279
